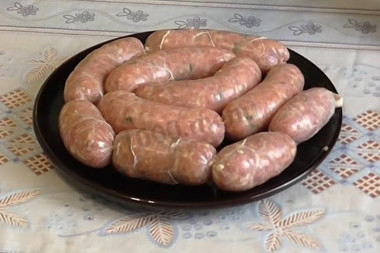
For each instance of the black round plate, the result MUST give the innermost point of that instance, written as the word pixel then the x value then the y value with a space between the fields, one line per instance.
pixel 132 192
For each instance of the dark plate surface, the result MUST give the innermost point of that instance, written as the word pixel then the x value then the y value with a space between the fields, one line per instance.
pixel 133 192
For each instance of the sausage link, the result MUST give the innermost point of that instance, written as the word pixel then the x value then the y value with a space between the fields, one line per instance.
pixel 162 66
pixel 123 110
pixel 252 161
pixel 85 134
pixel 265 52
pixel 252 112
pixel 148 155
pixel 235 78
pixel 305 114
pixel 86 82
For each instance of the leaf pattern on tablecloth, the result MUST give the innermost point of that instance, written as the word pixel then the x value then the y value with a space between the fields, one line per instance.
pixel 173 215
pixel 273 241
pixel 18 198
pixel 270 212
pixel 301 239
pixel 259 227
pixel 44 66
pixel 302 218
pixel 13 219
pixel 129 223
pixel 160 225
pixel 280 227
pixel 162 230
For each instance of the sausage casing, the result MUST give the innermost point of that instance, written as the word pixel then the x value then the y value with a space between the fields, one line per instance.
pixel 123 110
pixel 148 155
pixel 165 65
pixel 305 114
pixel 235 78
pixel 85 134
pixel 252 112
pixel 265 52
pixel 86 82
pixel 252 161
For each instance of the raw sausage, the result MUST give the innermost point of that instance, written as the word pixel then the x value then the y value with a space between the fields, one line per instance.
pixel 252 161
pixel 123 110
pixel 252 112
pixel 305 114
pixel 85 134
pixel 162 66
pixel 148 155
pixel 87 80
pixel 234 79
pixel 265 52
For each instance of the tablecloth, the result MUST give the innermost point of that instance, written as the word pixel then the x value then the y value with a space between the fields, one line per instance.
pixel 335 209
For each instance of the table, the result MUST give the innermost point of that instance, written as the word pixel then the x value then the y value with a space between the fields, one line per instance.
pixel 335 209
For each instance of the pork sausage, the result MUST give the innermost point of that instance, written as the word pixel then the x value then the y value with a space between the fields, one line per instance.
pixel 252 112
pixel 87 80
pixel 305 114
pixel 123 110
pixel 165 65
pixel 149 155
pixel 235 78
pixel 85 134
pixel 265 52
pixel 252 161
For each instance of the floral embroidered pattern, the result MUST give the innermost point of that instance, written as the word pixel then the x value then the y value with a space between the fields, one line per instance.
pixel 249 22
pixel 83 17
pixel 160 227
pixel 364 27
pixel 23 10
pixel 134 16
pixel 44 66
pixel 195 22
pixel 280 227
pixel 310 28
pixel 14 199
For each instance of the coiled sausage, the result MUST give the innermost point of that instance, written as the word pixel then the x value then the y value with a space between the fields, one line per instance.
pixel 252 161
pixel 162 66
pixel 123 110
pixel 148 155
pixel 234 79
pixel 252 112
pixel 87 80
pixel 305 114
pixel 265 52
pixel 85 134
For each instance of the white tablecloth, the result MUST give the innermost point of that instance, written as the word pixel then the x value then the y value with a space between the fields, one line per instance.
pixel 335 209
